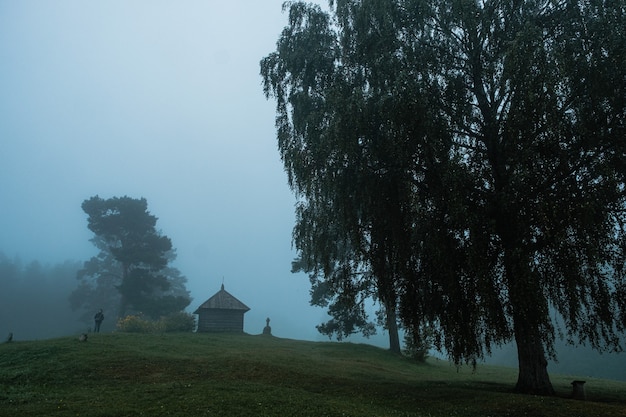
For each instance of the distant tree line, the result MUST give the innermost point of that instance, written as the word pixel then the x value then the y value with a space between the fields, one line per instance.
pixel 34 299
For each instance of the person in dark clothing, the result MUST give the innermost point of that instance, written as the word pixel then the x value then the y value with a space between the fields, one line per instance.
pixel 98 318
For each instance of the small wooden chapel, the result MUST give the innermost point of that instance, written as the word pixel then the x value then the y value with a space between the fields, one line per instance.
pixel 221 313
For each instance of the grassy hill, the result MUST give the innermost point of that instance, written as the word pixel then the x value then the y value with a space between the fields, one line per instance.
pixel 241 375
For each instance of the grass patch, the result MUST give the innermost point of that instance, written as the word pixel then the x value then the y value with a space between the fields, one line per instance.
pixel 127 374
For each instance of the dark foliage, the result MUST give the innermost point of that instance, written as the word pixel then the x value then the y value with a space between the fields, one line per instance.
pixel 463 163
pixel 131 271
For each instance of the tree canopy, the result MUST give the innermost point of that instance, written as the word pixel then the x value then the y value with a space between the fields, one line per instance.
pixel 464 162
pixel 132 269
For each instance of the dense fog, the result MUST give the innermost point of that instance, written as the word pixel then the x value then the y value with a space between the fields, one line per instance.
pixel 147 100
pixel 35 304
pixel 34 299
pixel 143 99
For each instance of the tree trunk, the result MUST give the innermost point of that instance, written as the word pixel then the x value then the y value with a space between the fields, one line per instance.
pixel 529 309
pixel 392 327
pixel 528 304
pixel 121 313
pixel 533 375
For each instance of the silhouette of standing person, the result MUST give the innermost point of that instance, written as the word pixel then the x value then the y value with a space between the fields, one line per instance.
pixel 98 318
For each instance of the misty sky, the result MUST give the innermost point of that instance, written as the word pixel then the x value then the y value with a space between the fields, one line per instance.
pixel 154 99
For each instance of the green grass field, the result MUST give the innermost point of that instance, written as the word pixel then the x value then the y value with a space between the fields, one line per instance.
pixel 123 374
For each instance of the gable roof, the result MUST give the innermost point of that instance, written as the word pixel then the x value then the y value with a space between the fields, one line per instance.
pixel 222 300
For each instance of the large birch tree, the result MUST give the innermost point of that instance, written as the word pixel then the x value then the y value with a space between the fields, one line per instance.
pixel 470 157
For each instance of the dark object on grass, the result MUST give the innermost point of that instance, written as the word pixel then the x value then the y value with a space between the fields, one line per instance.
pixel 10 338
pixel 82 337
pixel 578 390
pixel 267 329
pixel 98 320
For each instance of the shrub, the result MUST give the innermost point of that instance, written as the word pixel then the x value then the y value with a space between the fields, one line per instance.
pixel 137 324
pixel 175 322
pixel 178 322
pixel 416 346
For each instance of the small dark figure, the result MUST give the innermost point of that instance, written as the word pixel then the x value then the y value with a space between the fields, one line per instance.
pixel 82 337
pixel 98 319
pixel 10 338
pixel 267 329
pixel 578 390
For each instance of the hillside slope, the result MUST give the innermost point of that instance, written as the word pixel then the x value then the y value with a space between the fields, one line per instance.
pixel 241 375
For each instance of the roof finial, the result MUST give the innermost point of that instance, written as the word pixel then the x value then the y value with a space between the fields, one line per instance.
pixel 222 283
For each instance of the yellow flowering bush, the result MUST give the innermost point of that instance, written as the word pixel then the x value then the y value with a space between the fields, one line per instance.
pixel 137 324
pixel 175 322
